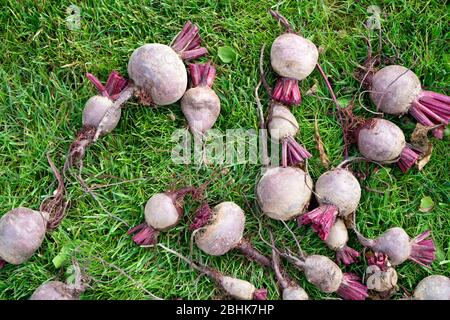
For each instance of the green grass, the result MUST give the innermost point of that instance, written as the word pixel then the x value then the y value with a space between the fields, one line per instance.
pixel 43 91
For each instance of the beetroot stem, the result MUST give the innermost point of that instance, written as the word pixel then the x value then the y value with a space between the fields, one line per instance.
pixel 351 288
pixel 253 254
pixel 100 87
pixel 422 249
pixel 346 255
pixel 2 263
pixel 408 158
pixel 338 107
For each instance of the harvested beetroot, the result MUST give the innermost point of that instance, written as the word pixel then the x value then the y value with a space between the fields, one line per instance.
pixel 328 278
pixel 398 247
pixel 200 104
pixel 381 278
pixel 22 231
pixel 397 90
pixel 382 141
pixel 56 290
pixel 284 193
pixel 338 193
pixel 283 127
pixel 435 287
pixel 162 212
pixel 101 114
pixel 158 70
pixel 337 241
pixel 293 58
pixel 289 288
pixel 222 229
pixel 237 288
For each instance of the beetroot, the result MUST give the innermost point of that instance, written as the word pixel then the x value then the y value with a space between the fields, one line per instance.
pixel 293 58
pixel 162 212
pixel 290 290
pixel 283 127
pixel 284 193
pixel 56 290
pixel 200 104
pixel 397 90
pixel 382 141
pixel 435 287
pixel 100 115
pixel 380 276
pixel 22 231
pixel 221 230
pixel 398 247
pixel 237 288
pixel 338 193
pixel 337 241
pixel 328 278
pixel 158 70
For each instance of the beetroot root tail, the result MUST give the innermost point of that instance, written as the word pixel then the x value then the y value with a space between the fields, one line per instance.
pixel 408 158
pixel 253 254
pixel 144 235
pixel 351 288
pixel 321 218
pixel 346 255
pixel 423 250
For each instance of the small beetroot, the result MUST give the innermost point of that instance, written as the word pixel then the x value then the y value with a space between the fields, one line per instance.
pixel 396 244
pixel 328 278
pixel 338 193
pixel 200 104
pixel 289 288
pixel 222 230
pixel 237 288
pixel 337 241
pixel 162 212
pixel 283 127
pixel 284 193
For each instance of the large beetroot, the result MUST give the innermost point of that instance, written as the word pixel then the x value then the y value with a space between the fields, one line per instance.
pixel 22 230
pixel 293 58
pixel 221 230
pixel 284 193
pixel 382 141
pixel 435 287
pixel 158 70
pixel 397 90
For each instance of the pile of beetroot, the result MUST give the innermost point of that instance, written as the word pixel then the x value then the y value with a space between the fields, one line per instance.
pixel 158 76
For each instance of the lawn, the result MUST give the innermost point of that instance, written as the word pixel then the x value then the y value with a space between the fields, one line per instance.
pixel 44 89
